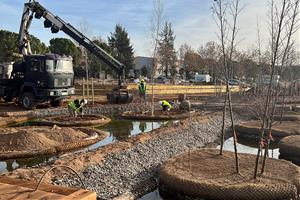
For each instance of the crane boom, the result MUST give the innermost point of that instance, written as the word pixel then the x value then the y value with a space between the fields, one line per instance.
pixel 35 9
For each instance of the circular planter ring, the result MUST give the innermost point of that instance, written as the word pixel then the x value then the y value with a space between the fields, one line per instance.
pixel 203 173
pixel 279 131
pixel 147 116
pixel 289 148
pixel 288 117
pixel 94 137
pixel 67 120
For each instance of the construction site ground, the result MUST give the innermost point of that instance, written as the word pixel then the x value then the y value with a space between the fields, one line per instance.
pixel 131 165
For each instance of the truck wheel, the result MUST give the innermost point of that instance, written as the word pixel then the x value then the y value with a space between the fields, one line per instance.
pixel 56 103
pixel 28 101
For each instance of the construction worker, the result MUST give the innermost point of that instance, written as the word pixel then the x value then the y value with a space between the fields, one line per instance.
pixel 142 89
pixel 75 107
pixel 166 106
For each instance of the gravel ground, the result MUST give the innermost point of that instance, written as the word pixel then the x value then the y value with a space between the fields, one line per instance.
pixel 136 170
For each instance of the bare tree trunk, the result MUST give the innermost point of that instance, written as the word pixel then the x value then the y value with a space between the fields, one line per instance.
pixel 283 61
pixel 220 10
pixel 223 125
pixel 156 24
pixel 275 49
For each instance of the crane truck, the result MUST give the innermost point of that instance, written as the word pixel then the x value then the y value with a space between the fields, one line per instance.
pixel 50 77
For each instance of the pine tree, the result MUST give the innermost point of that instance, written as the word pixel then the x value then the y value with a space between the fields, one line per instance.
pixel 166 51
pixel 122 49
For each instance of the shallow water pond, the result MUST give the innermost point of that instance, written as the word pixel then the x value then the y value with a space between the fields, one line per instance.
pixel 10 165
pixel 122 129
pixel 118 129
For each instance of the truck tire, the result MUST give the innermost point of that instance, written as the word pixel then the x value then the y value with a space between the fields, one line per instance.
pixel 56 103
pixel 28 101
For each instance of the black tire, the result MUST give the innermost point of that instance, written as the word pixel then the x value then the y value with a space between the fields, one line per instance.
pixel 28 101
pixel 56 103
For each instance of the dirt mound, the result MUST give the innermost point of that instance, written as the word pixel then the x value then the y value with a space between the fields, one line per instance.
pixel 204 173
pixel 31 138
pixel 253 129
pixel 289 148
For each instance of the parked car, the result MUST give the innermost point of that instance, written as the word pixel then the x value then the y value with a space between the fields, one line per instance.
pixel 201 78
pixel 234 82
pixel 162 79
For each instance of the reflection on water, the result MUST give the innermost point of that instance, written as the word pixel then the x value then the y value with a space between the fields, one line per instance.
pixel 250 146
pixel 10 165
pixel 122 129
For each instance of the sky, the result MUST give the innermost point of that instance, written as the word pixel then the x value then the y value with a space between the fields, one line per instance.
pixel 192 20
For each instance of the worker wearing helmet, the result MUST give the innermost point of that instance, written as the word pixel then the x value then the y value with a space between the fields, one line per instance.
pixel 166 106
pixel 142 89
pixel 75 107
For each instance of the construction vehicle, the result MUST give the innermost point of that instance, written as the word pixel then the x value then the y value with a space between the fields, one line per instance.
pixel 36 79
pixel 40 78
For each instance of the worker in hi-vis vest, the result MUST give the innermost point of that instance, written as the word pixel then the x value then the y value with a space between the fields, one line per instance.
pixel 142 89
pixel 166 106
pixel 76 107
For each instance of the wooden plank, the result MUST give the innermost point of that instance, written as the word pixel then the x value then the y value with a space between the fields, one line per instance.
pixel 44 186
pixel 8 191
pixel 25 190
pixel 84 195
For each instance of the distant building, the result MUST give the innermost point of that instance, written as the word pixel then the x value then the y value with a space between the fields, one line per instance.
pixel 143 63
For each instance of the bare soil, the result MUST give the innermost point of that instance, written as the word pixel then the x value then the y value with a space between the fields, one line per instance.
pixel 36 138
pixel 206 169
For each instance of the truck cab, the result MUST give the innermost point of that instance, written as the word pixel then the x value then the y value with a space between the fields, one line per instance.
pixel 40 78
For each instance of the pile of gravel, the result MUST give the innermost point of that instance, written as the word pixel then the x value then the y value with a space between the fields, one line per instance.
pixel 136 169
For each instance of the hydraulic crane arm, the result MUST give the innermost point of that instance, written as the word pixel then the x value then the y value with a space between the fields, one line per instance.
pixel 34 9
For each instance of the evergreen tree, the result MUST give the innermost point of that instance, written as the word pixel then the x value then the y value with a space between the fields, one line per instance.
pixel 9 46
pixel 166 51
pixel 64 46
pixel 122 49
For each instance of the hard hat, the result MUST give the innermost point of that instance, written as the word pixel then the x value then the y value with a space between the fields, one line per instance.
pixel 160 102
pixel 84 101
pixel 142 80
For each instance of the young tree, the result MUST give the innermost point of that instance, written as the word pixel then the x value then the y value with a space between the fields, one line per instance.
pixel 64 46
pixel 166 50
pixel 119 41
pixel 284 24
pixel 157 19
pixel 227 34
